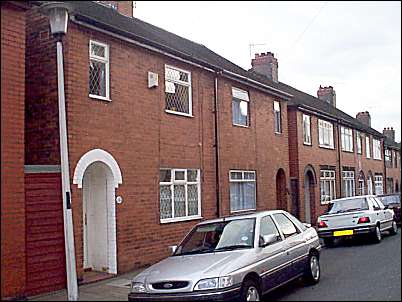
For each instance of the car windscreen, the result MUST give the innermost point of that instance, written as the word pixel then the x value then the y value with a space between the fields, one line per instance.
pixel 390 199
pixel 219 236
pixel 348 205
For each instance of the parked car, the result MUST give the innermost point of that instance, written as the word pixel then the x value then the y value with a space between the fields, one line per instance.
pixel 392 201
pixel 354 216
pixel 236 258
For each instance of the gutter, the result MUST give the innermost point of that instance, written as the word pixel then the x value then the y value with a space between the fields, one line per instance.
pixel 107 29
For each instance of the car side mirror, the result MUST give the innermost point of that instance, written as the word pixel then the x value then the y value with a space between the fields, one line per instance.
pixel 386 207
pixel 268 239
pixel 307 225
pixel 172 249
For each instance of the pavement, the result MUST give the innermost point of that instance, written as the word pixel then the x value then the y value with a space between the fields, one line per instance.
pixel 352 270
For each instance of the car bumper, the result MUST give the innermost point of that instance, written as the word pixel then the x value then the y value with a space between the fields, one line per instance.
pixel 230 294
pixel 360 230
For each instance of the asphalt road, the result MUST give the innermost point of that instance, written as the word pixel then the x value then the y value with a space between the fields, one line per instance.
pixel 352 270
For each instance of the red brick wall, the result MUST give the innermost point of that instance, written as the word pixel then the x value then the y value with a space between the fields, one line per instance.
pixel 12 151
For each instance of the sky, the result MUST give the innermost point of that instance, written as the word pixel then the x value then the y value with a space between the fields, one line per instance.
pixel 353 46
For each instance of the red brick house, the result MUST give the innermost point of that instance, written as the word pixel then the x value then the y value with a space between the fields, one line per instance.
pixel 392 155
pixel 162 132
pixel 331 154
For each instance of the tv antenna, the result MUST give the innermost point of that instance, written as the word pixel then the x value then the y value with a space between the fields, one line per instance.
pixel 255 44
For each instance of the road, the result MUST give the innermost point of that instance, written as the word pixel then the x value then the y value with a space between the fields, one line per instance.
pixel 352 271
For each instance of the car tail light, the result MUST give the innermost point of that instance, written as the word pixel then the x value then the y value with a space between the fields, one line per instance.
pixel 363 220
pixel 322 224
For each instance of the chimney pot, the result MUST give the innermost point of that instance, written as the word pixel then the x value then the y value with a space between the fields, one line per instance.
pixel 266 64
pixel 327 94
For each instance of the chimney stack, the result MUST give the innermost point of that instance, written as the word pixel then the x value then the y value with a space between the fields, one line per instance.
pixel 390 133
pixel 123 7
pixel 327 94
pixel 266 64
pixel 364 117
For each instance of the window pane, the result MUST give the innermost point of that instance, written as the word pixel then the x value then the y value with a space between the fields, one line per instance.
pixel 236 196
pixel 97 50
pixel 165 202
pixel 236 175
pixel 179 175
pixel 192 195
pixel 179 201
pixel 267 227
pixel 164 175
pixel 179 100
pixel 249 195
pixel 240 112
pixel 285 225
pixel 97 78
pixel 249 175
pixel 192 175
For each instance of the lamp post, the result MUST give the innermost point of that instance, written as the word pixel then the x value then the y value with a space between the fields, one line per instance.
pixel 58 19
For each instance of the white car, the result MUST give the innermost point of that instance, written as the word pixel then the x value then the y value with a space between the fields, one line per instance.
pixel 354 216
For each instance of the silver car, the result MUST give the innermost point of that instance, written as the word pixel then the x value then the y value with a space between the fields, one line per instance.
pixel 355 216
pixel 236 258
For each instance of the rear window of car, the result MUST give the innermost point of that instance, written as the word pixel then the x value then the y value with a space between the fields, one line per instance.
pixel 349 205
pixel 386 200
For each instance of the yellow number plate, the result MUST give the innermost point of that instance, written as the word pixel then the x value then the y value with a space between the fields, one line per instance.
pixel 343 233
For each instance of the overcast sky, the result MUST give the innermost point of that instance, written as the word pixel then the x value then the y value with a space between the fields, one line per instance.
pixel 353 46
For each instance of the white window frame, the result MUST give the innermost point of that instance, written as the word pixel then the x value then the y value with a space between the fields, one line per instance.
pixel 348 183
pixel 361 186
pixel 187 84
pixel 347 139
pixel 325 134
pixel 184 182
pixel 376 149
pixel 328 176
pixel 307 126
pixel 242 96
pixel 277 115
pixel 370 190
pixel 368 149
pixel 106 61
pixel 243 180
pixel 359 146
pixel 378 183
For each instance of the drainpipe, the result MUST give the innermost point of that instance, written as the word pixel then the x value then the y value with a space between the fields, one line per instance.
pixel 385 190
pixel 58 18
pixel 338 157
pixel 217 167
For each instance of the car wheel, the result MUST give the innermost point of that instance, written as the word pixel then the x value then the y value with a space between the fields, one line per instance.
pixel 377 235
pixel 394 229
pixel 313 272
pixel 329 242
pixel 250 291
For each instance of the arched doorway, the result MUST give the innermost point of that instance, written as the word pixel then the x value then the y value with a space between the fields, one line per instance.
pixel 309 195
pixel 281 198
pixel 370 183
pixel 98 174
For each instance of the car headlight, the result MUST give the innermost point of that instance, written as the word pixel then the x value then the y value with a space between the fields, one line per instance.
pixel 214 283
pixel 138 287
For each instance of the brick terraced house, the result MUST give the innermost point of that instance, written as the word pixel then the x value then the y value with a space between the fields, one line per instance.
pixel 162 133
pixel 392 156
pixel 331 154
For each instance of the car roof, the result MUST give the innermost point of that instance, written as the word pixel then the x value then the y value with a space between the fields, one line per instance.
pixel 243 216
pixel 352 197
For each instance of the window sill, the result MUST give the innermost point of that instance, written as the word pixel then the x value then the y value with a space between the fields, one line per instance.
pixel 178 113
pixel 98 97
pixel 278 133
pixel 326 147
pixel 241 126
pixel 180 219
pixel 307 144
pixel 380 159
pixel 347 151
pixel 241 211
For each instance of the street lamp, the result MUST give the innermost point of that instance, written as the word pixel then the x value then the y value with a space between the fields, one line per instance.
pixel 58 19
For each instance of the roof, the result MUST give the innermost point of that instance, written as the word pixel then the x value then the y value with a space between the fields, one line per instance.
pixel 392 144
pixel 109 19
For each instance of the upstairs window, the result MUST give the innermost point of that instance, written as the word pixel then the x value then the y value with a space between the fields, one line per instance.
pixel 359 146
pixel 240 107
pixel 368 153
pixel 388 158
pixel 347 139
pixel 178 91
pixel 306 129
pixel 376 149
pixel 99 70
pixel 325 134
pixel 277 117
